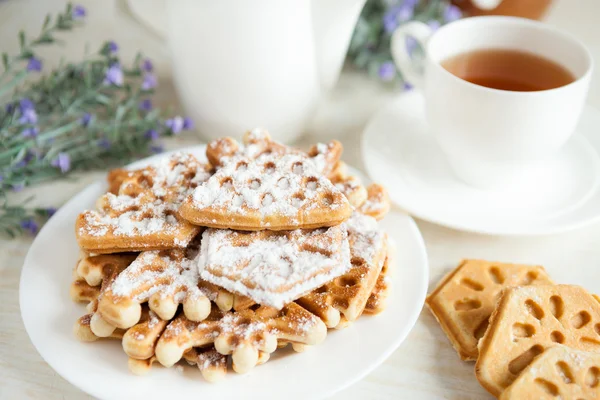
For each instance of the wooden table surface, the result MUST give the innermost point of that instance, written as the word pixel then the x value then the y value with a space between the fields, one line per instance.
pixel 425 366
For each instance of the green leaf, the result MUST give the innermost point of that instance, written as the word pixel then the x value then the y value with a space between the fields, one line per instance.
pixel 5 61
pixel 22 40
pixel 46 22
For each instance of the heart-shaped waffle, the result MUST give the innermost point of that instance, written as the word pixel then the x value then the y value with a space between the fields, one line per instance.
pixel 528 320
pixel 164 279
pixel 267 190
pixel 273 268
pixel 559 373
pixel 242 334
pixel 348 293
pixel 464 300
pixel 377 204
pixel 143 215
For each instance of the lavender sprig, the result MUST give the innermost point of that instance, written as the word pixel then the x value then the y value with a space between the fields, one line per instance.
pixel 370 45
pixel 92 114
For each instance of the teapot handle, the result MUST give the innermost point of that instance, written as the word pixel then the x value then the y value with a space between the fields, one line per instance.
pixel 418 31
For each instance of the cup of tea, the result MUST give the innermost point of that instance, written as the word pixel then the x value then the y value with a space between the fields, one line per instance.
pixel 502 94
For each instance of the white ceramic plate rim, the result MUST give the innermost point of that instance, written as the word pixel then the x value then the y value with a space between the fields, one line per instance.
pixel 415 250
pixel 470 226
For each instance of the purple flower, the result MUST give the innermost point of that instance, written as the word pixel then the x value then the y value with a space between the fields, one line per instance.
pixel 24 161
pixel 188 123
pixel 78 12
pixel 387 71
pixel 51 211
pixel 175 124
pixel 112 47
pixel 30 225
pixel 86 119
pixel 157 148
pixel 149 82
pixel 28 116
pixel 152 134
pixel 17 187
pixel 434 24
pixel 397 14
pixel 390 23
pixel 145 105
pixel 1 178
pixel 10 107
pixel 30 132
pixel 147 65
pixel 452 13
pixel 104 143
pixel 34 64
pixel 25 104
pixel 405 12
pixel 62 161
pixel 407 86
pixel 114 75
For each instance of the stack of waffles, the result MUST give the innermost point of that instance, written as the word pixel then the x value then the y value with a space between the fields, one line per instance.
pixel 221 263
pixel 531 339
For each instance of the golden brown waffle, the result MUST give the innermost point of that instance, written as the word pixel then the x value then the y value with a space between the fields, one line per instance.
pixel 349 185
pixel 527 321
pixel 348 293
pixel 143 215
pixel 273 268
pixel 377 204
pixel 464 300
pixel 164 279
pixel 559 373
pixel 266 189
pixel 115 179
pixel 377 300
pixel 258 142
pixel 242 334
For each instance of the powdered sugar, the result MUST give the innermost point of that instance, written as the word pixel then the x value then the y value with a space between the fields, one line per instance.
pixel 148 200
pixel 273 268
pixel 366 239
pixel 167 273
pixel 269 184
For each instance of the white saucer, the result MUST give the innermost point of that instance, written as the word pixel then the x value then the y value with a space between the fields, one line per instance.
pixel 562 195
pixel 100 368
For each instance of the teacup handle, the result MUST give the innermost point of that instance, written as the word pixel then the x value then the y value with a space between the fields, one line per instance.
pixel 419 31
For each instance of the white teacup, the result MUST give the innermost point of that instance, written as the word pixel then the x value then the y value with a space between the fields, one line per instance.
pixel 492 137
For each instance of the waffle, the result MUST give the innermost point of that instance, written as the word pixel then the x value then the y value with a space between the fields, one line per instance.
pixel 258 142
pixel 347 295
pixel 164 279
pixel 143 215
pixel 267 190
pixel 377 204
pixel 559 373
pixel 243 334
pixel 377 300
pixel 527 321
pixel 464 300
pixel 273 268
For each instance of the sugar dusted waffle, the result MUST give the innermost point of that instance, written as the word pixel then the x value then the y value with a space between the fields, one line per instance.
pixel 243 334
pixel 269 190
pixel 273 268
pixel 143 215
pixel 464 300
pixel 347 295
pixel 526 322
pixel 559 373
pixel 377 300
pixel 164 279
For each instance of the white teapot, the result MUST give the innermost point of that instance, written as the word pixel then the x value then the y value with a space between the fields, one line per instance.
pixel 240 64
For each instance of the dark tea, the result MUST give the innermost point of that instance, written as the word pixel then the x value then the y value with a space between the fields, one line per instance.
pixel 508 70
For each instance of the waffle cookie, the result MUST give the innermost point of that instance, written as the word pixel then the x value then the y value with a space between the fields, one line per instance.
pixel 527 321
pixel 273 268
pixel 347 295
pixel 164 279
pixel 377 300
pixel 242 334
pixel 464 300
pixel 143 215
pixel 559 373
pixel 266 190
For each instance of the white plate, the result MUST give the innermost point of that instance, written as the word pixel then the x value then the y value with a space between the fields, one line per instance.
pixel 100 368
pixel 561 195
